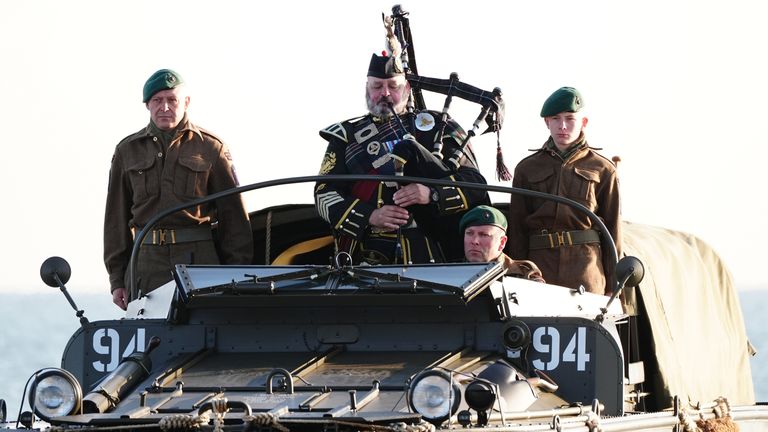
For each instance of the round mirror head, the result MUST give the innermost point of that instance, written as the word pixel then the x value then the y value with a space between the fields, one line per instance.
pixel 630 268
pixel 55 266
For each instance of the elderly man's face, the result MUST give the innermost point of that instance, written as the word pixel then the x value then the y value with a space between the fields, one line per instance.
pixel 380 93
pixel 565 128
pixel 483 243
pixel 167 107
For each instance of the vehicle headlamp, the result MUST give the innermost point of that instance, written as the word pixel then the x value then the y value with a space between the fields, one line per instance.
pixel 480 395
pixel 501 382
pixel 434 395
pixel 55 393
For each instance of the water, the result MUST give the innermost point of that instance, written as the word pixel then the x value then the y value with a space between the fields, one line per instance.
pixel 34 329
pixel 753 306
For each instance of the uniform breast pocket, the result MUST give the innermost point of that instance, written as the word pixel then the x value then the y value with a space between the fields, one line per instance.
pixel 191 177
pixel 584 185
pixel 542 181
pixel 144 177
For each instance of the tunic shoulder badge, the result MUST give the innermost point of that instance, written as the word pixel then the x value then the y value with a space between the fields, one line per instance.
pixel 329 161
pixel 335 130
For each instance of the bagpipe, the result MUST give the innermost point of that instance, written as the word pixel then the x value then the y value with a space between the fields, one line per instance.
pixel 491 102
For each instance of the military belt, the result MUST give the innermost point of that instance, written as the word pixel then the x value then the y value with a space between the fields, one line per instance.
pixel 564 238
pixel 165 236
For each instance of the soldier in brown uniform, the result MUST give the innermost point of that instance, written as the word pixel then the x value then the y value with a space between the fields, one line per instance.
pixel 557 237
pixel 167 163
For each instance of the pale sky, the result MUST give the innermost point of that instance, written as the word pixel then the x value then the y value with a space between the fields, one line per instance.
pixel 673 87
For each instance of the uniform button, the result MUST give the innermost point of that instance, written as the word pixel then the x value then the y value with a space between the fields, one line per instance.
pixel 141 172
pixel 154 139
pixel 159 154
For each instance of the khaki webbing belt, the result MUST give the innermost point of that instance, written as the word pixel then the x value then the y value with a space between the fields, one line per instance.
pixel 178 235
pixel 564 238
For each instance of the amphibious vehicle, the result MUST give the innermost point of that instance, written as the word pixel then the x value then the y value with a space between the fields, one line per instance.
pixel 304 341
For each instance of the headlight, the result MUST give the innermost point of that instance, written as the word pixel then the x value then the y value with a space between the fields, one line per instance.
pixel 480 395
pixel 434 396
pixel 55 393
pixel 500 380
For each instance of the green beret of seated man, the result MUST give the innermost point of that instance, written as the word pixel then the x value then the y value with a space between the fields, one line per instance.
pixel 485 234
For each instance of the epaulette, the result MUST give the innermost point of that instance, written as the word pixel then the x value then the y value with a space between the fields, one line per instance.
pixel 134 136
pixel 535 152
pixel 611 164
pixel 205 132
pixel 340 130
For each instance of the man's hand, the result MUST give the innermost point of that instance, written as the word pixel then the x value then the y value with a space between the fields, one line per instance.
pixel 525 269
pixel 119 298
pixel 531 270
pixel 414 193
pixel 389 217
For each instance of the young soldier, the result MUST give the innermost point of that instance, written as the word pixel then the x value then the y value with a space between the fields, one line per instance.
pixel 557 237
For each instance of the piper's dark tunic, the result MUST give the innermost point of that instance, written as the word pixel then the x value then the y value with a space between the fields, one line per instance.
pixel 364 145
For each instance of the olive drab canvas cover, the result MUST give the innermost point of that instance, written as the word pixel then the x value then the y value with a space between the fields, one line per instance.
pixel 685 280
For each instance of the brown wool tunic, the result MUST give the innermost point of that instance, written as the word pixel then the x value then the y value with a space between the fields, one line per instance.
pixel 586 177
pixel 145 178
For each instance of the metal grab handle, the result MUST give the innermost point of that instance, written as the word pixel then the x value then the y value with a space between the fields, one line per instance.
pixel 288 380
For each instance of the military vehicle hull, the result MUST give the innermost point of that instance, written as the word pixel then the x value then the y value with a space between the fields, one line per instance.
pixel 294 343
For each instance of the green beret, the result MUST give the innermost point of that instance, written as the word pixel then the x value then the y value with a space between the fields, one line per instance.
pixel 564 99
pixel 483 215
pixel 163 79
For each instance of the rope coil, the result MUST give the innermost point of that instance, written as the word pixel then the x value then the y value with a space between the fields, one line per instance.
pixel 593 422
pixel 723 422
pixel 423 426
pixel 219 408
pixel 263 419
pixel 182 422
pixel 686 421
pixel 723 408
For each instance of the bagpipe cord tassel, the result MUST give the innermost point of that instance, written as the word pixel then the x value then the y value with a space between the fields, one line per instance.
pixel 502 172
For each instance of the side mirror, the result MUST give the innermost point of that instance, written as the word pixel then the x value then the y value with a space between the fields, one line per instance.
pixel 55 272
pixel 629 272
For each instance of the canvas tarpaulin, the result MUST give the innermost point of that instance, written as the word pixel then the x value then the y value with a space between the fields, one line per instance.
pixel 692 307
